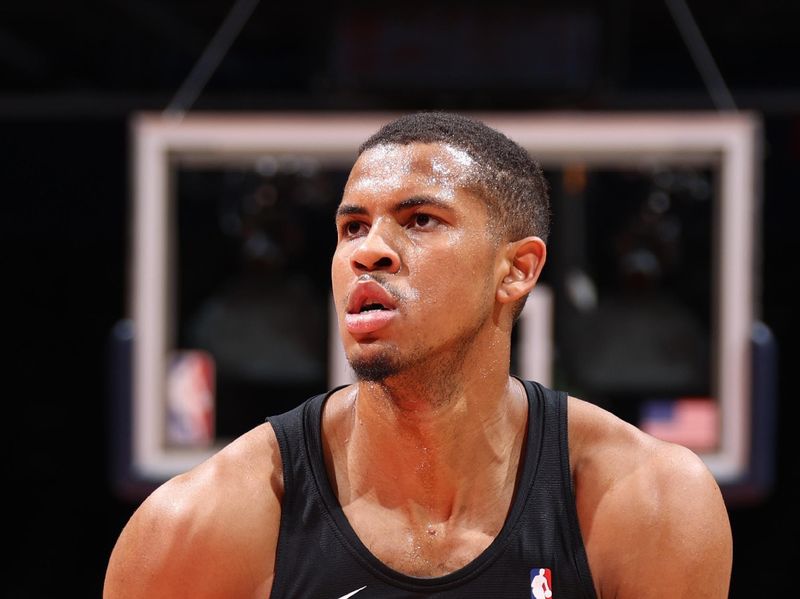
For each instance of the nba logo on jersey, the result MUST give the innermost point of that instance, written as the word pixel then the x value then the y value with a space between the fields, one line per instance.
pixel 541 583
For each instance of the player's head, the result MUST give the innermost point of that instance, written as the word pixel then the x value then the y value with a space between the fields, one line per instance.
pixel 438 245
pixel 510 181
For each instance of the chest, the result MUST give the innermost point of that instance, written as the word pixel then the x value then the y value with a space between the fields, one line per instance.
pixel 424 550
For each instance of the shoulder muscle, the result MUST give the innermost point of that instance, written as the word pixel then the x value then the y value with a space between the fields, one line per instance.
pixel 653 518
pixel 211 532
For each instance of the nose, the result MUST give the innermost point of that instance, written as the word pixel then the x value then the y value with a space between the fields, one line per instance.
pixel 375 253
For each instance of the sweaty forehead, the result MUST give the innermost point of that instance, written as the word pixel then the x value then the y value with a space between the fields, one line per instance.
pixel 392 166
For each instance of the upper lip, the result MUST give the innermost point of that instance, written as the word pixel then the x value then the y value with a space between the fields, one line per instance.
pixel 369 292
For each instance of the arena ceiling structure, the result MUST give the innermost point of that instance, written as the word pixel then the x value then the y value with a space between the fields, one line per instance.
pixel 111 57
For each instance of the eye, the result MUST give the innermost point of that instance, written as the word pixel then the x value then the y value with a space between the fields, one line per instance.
pixel 353 228
pixel 423 221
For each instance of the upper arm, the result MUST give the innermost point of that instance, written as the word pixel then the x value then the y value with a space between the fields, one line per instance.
pixel 209 533
pixel 663 531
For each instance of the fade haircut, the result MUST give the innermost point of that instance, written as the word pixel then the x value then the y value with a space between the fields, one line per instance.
pixel 510 181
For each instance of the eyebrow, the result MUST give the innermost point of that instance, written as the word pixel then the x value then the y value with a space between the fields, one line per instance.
pixel 348 209
pixel 412 202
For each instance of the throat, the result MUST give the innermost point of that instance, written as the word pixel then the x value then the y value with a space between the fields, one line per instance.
pixel 434 462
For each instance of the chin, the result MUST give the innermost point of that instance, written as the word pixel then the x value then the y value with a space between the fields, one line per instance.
pixel 374 368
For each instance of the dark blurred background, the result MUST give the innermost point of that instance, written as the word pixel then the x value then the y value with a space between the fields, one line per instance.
pixel 72 74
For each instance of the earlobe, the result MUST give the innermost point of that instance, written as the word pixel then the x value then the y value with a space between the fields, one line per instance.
pixel 523 262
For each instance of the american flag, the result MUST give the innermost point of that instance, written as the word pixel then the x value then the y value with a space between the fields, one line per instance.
pixel 689 421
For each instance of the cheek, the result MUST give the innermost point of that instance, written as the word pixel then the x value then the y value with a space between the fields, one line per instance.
pixel 455 279
pixel 340 268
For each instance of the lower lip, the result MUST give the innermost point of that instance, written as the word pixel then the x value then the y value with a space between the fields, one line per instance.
pixel 368 322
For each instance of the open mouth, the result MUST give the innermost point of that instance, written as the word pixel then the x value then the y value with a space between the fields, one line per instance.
pixel 370 308
pixel 368 297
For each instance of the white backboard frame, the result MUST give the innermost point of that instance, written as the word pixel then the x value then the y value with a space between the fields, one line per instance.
pixel 728 142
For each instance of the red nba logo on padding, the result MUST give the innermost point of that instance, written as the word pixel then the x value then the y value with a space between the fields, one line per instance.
pixel 541 583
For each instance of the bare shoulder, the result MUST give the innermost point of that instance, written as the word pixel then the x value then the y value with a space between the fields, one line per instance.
pixel 651 513
pixel 211 532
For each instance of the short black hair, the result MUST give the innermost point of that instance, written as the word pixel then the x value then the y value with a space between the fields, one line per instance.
pixel 512 182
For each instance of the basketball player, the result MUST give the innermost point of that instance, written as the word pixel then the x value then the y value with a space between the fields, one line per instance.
pixel 438 474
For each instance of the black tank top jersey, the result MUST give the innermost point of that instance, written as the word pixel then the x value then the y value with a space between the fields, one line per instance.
pixel 539 547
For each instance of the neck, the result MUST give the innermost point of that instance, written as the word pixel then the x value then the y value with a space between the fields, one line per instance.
pixel 431 448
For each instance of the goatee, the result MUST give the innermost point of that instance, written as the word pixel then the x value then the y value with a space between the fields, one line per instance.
pixel 375 369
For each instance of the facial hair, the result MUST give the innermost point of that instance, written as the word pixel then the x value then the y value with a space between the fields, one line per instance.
pixel 375 369
pixel 423 372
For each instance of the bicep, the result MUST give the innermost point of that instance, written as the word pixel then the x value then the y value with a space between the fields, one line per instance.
pixel 176 569
pixel 142 563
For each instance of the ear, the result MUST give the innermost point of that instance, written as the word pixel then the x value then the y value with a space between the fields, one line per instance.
pixel 522 264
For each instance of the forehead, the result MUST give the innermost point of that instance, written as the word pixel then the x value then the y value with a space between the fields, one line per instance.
pixel 391 167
